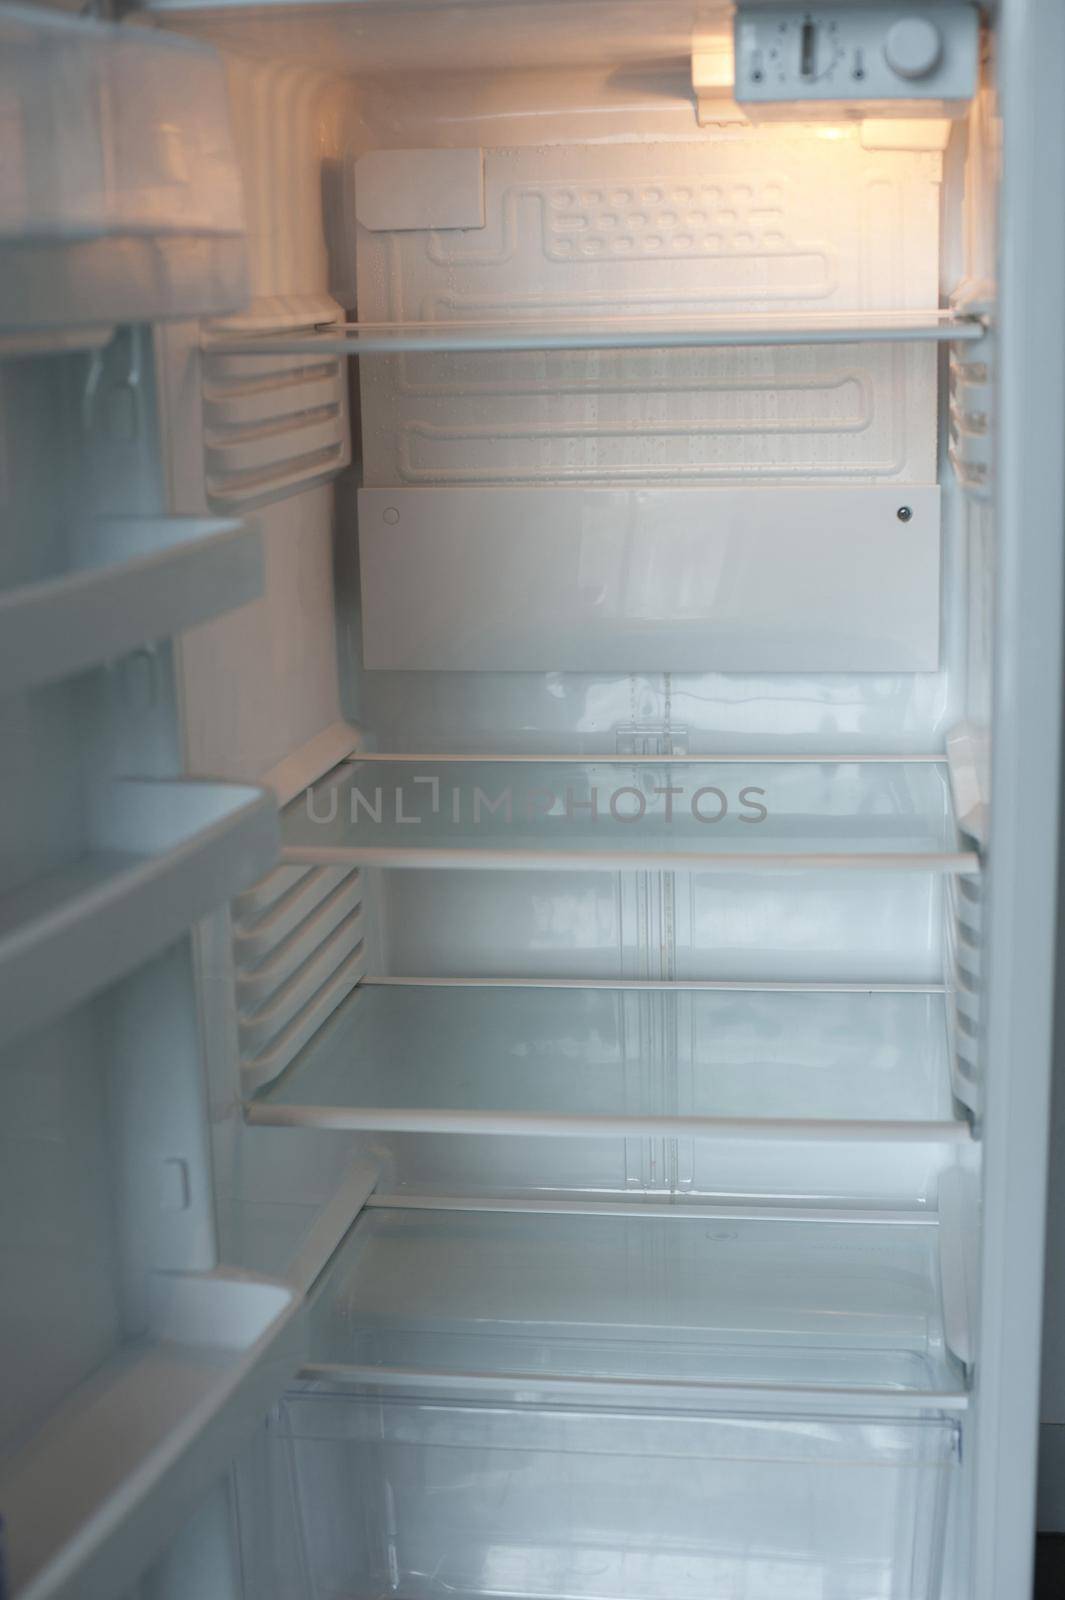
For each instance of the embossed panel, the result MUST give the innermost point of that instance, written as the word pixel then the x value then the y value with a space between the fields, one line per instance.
pixel 786 222
pixel 671 579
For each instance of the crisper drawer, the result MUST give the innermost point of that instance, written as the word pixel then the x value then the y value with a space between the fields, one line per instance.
pixel 422 1499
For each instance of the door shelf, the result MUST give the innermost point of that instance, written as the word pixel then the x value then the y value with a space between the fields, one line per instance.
pixel 159 856
pixel 726 816
pixel 123 582
pixel 696 1308
pixel 115 1470
pixel 536 1059
pixel 129 225
pixel 686 331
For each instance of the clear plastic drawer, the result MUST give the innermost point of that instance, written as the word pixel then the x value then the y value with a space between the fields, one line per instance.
pixel 362 1497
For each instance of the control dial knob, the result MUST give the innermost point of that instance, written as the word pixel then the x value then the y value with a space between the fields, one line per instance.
pixel 913 47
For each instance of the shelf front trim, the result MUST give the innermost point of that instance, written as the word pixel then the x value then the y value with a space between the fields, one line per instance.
pixel 660 985
pixel 683 1392
pixel 651 1210
pixel 961 862
pixel 584 1125
pixel 616 758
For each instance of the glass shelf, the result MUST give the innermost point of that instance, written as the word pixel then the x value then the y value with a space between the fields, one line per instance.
pixel 687 331
pixel 679 815
pixel 566 1060
pixel 720 1305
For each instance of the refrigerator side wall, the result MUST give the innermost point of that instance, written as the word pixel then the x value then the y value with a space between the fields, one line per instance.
pixel 1025 789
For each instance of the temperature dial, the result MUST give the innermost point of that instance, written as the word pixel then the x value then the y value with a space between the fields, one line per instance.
pixel 913 47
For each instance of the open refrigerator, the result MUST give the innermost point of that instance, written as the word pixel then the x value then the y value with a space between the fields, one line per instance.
pixel 530 631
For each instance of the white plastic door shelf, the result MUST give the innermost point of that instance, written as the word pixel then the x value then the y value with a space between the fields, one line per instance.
pixel 120 582
pixel 424 812
pixel 160 855
pixel 708 579
pixel 124 1460
pixel 547 1060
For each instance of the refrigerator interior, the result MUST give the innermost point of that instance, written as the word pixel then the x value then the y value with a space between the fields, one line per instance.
pixel 588 1110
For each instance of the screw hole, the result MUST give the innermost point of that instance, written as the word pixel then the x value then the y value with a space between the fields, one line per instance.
pixel 756 77
pixel 904 513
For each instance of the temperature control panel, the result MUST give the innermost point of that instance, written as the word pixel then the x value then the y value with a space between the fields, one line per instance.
pixel 839 52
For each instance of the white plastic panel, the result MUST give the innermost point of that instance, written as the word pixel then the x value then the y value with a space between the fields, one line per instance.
pixel 666 579
pixel 744 225
pixel 262 682
pixel 371 36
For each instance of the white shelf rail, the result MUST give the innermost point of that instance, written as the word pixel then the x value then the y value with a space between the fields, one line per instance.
pixel 684 332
